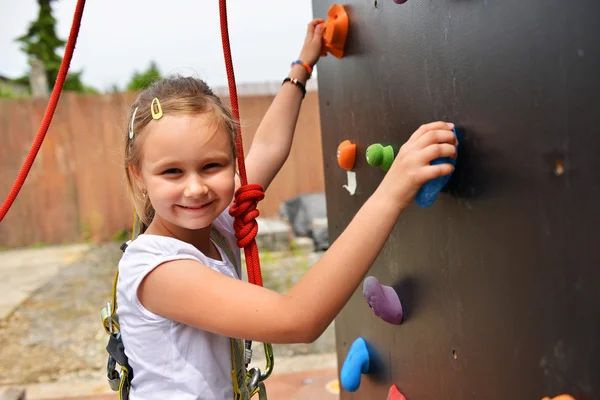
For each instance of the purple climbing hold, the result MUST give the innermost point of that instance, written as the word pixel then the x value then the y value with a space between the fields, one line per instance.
pixel 400 1
pixel 383 300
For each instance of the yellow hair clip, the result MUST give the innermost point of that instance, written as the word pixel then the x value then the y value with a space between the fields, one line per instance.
pixel 156 109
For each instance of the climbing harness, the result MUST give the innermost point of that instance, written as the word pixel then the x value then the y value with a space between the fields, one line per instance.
pixel 118 381
pixel 246 383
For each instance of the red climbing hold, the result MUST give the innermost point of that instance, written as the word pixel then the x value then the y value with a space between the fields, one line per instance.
pixel 394 394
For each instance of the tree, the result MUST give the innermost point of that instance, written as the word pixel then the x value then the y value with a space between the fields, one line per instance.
pixel 143 80
pixel 41 43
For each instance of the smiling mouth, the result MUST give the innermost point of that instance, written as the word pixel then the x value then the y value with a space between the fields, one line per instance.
pixel 195 208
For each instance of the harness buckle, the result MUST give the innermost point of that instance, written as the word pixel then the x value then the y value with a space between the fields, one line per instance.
pixel 110 321
pixel 112 375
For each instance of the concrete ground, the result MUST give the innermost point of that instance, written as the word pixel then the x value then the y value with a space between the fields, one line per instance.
pixel 317 384
pixel 23 271
pixel 308 372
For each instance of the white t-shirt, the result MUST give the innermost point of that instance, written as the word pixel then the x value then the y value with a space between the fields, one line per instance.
pixel 171 360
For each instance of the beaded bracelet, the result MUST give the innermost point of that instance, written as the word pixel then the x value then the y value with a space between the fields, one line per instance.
pixel 305 65
pixel 296 82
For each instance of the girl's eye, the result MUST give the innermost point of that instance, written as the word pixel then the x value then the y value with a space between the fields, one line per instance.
pixel 212 165
pixel 171 171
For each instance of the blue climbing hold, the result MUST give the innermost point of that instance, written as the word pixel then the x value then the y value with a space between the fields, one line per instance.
pixel 357 362
pixel 432 188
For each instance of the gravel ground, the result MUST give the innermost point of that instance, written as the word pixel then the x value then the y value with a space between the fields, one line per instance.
pixel 57 335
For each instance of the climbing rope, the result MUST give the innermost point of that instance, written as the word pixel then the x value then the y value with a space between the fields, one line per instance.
pixel 247 196
pixel 50 109
pixel 243 209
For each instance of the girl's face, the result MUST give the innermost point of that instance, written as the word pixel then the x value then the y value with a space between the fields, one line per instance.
pixel 188 169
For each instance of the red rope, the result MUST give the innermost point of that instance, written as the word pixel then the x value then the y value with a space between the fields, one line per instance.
pixel 56 91
pixel 247 196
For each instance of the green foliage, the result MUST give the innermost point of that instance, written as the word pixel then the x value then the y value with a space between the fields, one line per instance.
pixel 41 40
pixel 143 80
pixel 24 80
pixel 41 43
pixel 90 89
pixel 267 257
pixel 73 82
pixel 121 236
pixel 7 93
pixel 86 234
pixel 14 88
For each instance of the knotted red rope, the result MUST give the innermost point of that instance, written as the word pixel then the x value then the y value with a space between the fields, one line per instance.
pixel 247 196
pixel 56 91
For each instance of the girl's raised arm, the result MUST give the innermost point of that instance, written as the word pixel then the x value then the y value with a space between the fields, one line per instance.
pixel 273 140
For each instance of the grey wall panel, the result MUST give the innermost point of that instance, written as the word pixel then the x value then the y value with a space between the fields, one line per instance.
pixel 504 269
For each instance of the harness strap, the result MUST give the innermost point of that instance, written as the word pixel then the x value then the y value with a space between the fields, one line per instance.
pixel 110 320
pixel 245 383
pixel 224 245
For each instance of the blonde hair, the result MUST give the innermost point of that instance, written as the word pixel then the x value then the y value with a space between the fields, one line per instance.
pixel 177 96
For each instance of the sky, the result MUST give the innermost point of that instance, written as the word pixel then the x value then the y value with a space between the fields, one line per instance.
pixel 119 37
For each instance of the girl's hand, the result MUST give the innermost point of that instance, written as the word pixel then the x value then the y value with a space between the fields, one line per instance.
pixel 311 50
pixel 411 167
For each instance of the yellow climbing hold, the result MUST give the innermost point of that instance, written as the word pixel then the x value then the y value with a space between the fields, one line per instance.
pixel 333 386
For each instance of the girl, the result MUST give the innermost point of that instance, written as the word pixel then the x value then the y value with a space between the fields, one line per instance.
pixel 179 289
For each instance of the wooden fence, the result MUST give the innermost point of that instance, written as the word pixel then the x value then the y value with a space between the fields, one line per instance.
pixel 76 189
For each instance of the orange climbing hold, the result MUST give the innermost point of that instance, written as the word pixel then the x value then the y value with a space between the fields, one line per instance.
pixel 335 30
pixel 346 154
pixel 394 394
pixel 561 397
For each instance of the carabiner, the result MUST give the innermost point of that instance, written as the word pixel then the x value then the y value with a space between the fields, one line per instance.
pixel 112 375
pixel 270 362
pixel 254 376
pixel 110 321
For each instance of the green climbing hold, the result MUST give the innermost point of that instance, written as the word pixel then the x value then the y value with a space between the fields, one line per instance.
pixel 380 156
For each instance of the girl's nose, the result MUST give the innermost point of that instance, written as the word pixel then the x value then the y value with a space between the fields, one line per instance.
pixel 195 188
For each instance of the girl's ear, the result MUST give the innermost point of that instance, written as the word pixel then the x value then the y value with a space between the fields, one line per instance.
pixel 138 177
pixel 134 171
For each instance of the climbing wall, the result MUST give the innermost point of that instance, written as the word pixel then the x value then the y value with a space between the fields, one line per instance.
pixel 500 278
